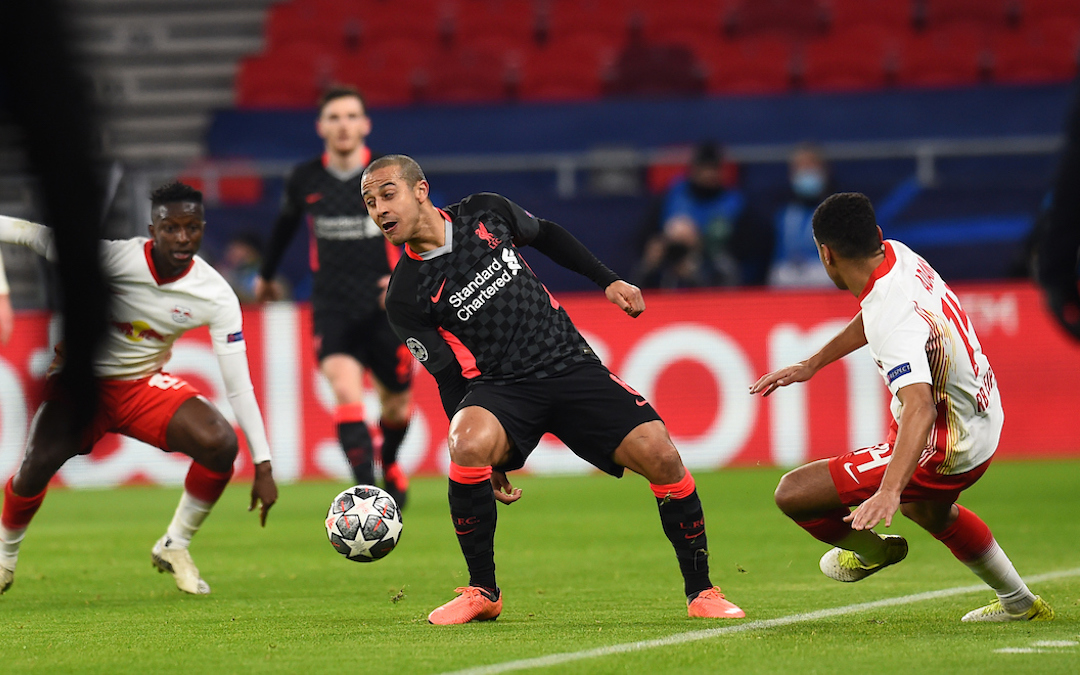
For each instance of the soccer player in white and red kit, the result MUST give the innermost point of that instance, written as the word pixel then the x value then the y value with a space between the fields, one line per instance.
pixel 159 291
pixel 947 417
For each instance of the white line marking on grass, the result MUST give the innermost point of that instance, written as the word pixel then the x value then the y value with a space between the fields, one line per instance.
pixel 764 624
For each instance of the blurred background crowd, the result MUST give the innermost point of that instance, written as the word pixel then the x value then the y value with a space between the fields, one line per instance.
pixel 686 143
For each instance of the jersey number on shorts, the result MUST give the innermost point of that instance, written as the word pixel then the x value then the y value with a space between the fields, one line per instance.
pixel 163 381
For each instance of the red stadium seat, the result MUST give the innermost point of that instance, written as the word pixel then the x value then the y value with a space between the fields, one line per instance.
pixel 894 14
pixel 291 76
pixel 561 19
pixel 569 69
pixel 1036 10
pixel 661 20
pixel 791 18
pixel 748 66
pixel 851 57
pixel 512 20
pixel 955 55
pixel 940 13
pixel 468 74
pixel 390 71
pixel 1041 51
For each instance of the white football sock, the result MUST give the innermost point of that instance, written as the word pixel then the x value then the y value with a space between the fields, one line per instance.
pixel 9 546
pixel 189 517
pixel 995 568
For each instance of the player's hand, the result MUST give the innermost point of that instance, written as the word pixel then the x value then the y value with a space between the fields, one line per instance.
pixel 627 297
pixel 264 490
pixel 267 291
pixel 800 372
pixel 504 491
pixel 882 506
pixel 7 319
pixel 384 283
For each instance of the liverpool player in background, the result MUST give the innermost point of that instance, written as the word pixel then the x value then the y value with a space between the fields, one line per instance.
pixel 352 263
pixel 947 418
pixel 511 367
pixel 160 290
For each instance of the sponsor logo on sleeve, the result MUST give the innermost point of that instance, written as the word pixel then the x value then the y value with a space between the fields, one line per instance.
pixel 238 336
pixel 902 369
pixel 418 349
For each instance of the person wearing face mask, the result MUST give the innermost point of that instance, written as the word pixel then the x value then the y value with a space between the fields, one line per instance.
pixel 795 258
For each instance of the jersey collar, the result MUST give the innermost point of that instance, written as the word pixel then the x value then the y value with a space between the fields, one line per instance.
pixel 448 242
pixel 149 246
pixel 881 270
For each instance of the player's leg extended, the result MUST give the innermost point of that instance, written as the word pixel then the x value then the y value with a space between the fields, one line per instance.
pixel 970 540
pixel 345 375
pixel 476 442
pixel 24 492
pixel 394 424
pixel 648 451
pixel 199 431
pixel 809 496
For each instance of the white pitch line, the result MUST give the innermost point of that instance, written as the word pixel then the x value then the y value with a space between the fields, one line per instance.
pixel 764 624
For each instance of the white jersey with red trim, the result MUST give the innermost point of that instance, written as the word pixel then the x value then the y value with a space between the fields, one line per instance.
pixel 148 314
pixel 918 333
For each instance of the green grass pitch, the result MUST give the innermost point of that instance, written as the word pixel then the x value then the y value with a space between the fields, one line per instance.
pixel 583 565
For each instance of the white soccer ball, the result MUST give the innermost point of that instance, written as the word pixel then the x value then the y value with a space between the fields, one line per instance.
pixel 364 523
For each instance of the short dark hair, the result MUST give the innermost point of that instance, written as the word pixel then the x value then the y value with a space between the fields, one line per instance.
pixel 410 170
pixel 341 91
pixel 176 191
pixel 845 222
pixel 707 153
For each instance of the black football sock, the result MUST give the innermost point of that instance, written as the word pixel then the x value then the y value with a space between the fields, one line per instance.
pixel 392 438
pixel 356 442
pixel 684 525
pixel 472 508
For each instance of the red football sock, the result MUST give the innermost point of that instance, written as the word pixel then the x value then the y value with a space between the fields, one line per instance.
pixel 830 527
pixel 968 538
pixel 204 484
pixel 19 510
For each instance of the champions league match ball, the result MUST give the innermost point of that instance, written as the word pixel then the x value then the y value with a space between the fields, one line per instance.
pixel 364 523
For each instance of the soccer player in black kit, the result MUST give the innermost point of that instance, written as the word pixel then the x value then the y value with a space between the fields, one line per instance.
pixel 351 262
pixel 511 366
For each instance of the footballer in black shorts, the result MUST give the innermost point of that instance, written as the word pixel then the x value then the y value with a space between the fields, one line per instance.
pixel 351 263
pixel 511 366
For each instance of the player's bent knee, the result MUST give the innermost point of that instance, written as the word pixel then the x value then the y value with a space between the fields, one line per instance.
pixel 786 494
pixel 219 445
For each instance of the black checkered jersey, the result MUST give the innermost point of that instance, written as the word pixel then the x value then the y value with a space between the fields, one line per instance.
pixel 476 301
pixel 349 253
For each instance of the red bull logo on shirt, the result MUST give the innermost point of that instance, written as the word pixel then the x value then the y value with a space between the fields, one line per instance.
pixel 136 331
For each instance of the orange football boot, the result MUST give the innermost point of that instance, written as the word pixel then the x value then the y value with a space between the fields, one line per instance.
pixel 711 604
pixel 474 604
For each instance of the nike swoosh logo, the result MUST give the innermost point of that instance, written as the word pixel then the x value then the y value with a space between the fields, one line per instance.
pixel 313 197
pixel 642 402
pixel 435 298
pixel 465 532
pixel 847 467
pixel 694 535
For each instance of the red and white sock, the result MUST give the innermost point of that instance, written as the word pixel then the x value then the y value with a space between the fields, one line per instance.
pixel 202 488
pixel 14 519
pixel 971 541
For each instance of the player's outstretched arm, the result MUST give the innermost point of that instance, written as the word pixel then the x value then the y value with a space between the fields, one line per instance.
pixel 241 394
pixel 25 233
pixel 846 341
pixel 627 296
